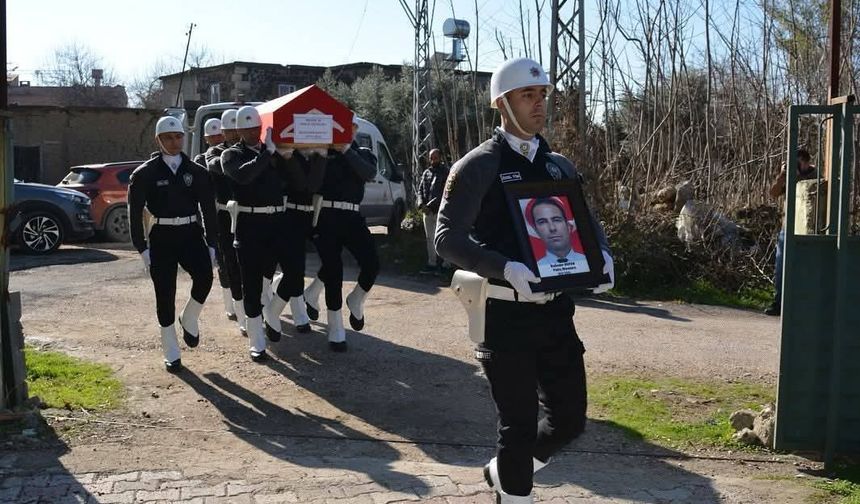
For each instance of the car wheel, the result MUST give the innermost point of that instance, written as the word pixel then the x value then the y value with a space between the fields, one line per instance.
pixel 397 214
pixel 40 233
pixel 116 225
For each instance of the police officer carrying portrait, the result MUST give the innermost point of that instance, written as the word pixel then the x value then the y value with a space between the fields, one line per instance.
pixel 305 169
pixel 174 190
pixel 530 351
pixel 257 212
pixel 342 225
pixel 229 276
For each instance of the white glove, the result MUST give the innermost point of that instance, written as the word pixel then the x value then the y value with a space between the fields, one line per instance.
pixel 608 269
pixel 286 153
pixel 146 262
pixel 320 151
pixel 212 256
pixel 520 276
pixel 345 148
pixel 270 145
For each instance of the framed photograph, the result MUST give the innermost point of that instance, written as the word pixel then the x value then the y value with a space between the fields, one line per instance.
pixel 556 235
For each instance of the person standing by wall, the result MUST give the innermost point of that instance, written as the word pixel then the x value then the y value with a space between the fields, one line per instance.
pixel 430 190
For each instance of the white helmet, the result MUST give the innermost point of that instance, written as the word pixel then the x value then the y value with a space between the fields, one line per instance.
pixel 212 127
pixel 228 119
pixel 247 117
pixel 168 124
pixel 514 74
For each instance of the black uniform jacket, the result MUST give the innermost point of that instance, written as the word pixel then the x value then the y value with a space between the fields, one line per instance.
pixel 303 176
pixel 154 186
pixel 220 182
pixel 256 177
pixel 346 173
pixel 475 228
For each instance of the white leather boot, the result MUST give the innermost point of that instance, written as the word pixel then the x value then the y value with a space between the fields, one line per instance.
pixel 272 317
pixel 228 303
pixel 312 298
pixel 300 314
pixel 170 349
pixel 503 498
pixel 241 319
pixel 256 339
pixel 491 472
pixel 189 322
pixel 336 332
pixel 355 303
pixel 266 293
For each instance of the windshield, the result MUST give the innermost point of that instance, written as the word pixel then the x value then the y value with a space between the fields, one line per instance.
pixel 81 176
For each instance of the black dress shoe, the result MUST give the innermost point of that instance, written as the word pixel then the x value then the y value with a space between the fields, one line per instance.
pixel 337 346
pixel 355 323
pixel 173 367
pixel 258 356
pixel 304 328
pixel 190 340
pixel 232 316
pixel 273 334
pixel 313 313
pixel 243 332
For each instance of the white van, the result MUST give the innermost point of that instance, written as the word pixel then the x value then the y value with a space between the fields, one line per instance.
pixel 384 202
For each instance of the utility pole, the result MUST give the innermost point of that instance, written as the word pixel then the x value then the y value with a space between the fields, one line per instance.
pixel 835 35
pixel 567 65
pixel 422 128
pixel 184 59
pixel 13 390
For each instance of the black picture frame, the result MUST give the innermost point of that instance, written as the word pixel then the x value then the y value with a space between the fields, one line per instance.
pixel 572 272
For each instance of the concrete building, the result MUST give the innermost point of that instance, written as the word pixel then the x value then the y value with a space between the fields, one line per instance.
pixel 48 140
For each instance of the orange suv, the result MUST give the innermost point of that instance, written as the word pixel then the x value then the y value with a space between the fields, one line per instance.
pixel 107 185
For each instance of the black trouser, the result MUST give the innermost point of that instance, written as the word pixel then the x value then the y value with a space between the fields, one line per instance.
pixel 298 226
pixel 184 246
pixel 229 275
pixel 552 374
pixel 337 229
pixel 262 243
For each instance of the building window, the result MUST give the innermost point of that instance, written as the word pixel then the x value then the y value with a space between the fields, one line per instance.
pixel 285 89
pixel 215 92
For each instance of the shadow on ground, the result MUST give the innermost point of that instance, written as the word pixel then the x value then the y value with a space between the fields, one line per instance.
pixel 437 403
pixel 63 255
pixel 30 468
pixel 628 306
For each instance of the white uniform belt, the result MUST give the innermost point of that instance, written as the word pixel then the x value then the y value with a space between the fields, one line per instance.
pixel 221 206
pixel 260 209
pixel 175 221
pixel 296 206
pixel 508 294
pixel 340 205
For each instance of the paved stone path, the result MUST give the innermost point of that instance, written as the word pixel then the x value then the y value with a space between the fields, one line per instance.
pixel 598 479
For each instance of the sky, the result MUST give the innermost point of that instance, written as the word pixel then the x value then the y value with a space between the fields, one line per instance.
pixel 131 37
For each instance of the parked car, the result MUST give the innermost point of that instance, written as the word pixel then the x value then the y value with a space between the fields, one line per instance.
pixel 384 202
pixel 43 217
pixel 107 185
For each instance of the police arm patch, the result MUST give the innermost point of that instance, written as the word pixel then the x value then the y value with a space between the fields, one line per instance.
pixel 450 182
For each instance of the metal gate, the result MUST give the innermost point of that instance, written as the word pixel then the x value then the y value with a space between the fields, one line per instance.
pixel 818 394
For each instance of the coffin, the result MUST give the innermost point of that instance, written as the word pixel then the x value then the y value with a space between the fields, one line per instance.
pixel 306 118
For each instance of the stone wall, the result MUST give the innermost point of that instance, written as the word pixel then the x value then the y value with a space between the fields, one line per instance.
pixel 64 137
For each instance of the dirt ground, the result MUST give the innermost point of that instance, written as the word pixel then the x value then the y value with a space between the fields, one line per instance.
pixel 407 396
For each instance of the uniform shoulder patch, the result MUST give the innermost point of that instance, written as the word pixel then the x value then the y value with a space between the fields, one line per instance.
pixel 450 182
pixel 188 179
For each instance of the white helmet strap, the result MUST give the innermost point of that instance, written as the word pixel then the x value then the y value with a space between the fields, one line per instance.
pixel 513 118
